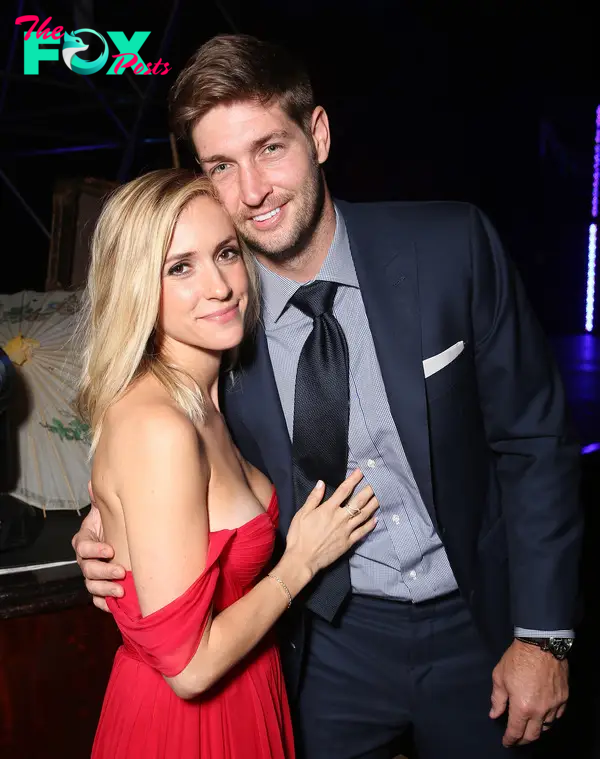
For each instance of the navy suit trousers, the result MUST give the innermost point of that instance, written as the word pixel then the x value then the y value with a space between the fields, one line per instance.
pixel 388 666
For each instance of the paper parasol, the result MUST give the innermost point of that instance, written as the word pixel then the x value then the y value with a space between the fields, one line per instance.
pixel 36 332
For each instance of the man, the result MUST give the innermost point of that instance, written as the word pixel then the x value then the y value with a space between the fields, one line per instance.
pixel 412 353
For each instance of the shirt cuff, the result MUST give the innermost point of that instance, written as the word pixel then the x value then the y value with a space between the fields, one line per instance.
pixel 522 632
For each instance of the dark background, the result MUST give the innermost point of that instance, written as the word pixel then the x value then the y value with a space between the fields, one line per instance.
pixel 489 102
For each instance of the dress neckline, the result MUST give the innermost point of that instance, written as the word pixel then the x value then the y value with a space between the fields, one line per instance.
pixel 267 513
pixel 270 513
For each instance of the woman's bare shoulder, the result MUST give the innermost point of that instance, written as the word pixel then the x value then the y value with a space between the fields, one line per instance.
pixel 146 424
pixel 145 409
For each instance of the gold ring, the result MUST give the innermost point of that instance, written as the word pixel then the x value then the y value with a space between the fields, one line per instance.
pixel 352 510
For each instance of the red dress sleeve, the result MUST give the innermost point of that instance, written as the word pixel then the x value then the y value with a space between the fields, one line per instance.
pixel 167 639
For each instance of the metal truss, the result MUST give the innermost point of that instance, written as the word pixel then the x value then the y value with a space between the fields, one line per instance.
pixel 111 116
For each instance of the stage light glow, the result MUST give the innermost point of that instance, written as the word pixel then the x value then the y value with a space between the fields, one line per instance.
pixel 590 293
pixel 591 448
pixel 591 279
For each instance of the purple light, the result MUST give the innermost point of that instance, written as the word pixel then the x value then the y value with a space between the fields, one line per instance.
pixel 590 448
pixel 596 178
pixel 590 294
pixel 596 182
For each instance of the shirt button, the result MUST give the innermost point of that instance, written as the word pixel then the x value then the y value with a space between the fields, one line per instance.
pixel 396 519
pixel 412 574
pixel 371 464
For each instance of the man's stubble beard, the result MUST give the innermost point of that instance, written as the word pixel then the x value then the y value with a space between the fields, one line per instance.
pixel 312 203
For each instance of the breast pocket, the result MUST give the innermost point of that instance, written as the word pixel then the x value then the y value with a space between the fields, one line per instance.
pixel 452 376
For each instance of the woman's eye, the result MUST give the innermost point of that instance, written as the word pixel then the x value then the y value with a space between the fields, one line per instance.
pixel 228 254
pixel 178 269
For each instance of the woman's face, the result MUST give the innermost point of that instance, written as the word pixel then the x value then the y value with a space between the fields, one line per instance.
pixel 204 280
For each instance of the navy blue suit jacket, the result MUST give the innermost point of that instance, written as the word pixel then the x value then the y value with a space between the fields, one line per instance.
pixel 487 437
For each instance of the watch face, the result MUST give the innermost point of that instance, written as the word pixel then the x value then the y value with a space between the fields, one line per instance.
pixel 560 647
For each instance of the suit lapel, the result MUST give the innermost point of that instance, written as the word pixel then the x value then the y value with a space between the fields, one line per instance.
pixel 387 271
pixel 257 402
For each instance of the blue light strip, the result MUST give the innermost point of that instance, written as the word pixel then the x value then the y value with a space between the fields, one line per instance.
pixel 591 278
pixel 590 293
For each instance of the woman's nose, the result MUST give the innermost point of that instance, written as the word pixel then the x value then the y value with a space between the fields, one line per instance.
pixel 216 285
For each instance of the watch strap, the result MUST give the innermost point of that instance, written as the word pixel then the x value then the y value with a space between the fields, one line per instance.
pixel 558 647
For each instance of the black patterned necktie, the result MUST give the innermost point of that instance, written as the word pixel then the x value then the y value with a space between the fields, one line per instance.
pixel 320 436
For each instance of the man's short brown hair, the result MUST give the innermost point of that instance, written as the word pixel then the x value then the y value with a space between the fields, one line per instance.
pixel 237 67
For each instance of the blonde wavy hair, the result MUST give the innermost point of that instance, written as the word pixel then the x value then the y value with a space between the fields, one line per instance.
pixel 121 303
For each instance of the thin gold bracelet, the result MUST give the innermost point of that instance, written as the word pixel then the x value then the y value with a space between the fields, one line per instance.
pixel 284 586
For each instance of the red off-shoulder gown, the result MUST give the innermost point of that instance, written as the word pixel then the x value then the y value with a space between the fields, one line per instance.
pixel 245 716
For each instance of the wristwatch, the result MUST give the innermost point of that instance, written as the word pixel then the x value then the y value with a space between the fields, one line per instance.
pixel 558 647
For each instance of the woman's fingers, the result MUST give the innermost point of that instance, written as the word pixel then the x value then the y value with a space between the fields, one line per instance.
pixel 345 490
pixel 356 505
pixel 315 496
pixel 362 530
pixel 365 512
pixel 359 500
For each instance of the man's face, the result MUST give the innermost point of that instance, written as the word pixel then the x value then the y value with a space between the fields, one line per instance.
pixel 266 171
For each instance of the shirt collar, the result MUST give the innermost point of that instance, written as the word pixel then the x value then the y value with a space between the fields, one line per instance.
pixel 337 267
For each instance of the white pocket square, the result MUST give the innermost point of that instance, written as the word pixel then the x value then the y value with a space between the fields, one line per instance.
pixel 435 363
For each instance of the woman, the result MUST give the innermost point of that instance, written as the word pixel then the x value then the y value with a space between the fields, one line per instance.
pixel 170 296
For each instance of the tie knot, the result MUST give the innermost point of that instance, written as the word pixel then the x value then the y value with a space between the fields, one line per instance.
pixel 315 299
